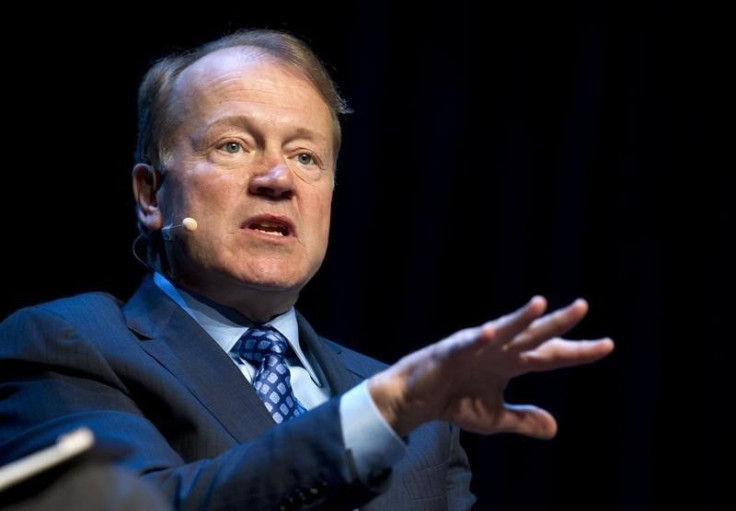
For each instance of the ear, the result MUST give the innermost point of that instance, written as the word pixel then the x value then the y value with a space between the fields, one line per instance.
pixel 146 181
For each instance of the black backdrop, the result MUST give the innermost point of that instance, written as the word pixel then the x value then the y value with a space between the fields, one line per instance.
pixel 494 153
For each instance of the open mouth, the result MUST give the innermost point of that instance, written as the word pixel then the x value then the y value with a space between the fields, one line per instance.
pixel 270 226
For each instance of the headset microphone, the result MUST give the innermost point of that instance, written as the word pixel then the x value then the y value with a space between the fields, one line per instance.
pixel 189 224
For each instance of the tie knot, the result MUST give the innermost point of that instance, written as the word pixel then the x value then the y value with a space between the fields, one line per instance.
pixel 261 341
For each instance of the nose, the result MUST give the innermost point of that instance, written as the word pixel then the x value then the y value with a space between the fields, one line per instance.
pixel 273 179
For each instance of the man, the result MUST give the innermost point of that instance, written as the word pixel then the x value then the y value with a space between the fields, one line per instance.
pixel 242 135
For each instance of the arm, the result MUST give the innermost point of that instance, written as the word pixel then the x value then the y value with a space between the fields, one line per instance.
pixel 53 379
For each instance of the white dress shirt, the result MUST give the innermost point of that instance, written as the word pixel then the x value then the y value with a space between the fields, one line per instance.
pixel 375 446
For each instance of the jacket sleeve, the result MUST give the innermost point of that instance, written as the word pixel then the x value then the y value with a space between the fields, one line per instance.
pixel 54 380
pixel 459 496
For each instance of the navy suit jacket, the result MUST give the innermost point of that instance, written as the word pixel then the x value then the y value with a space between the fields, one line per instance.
pixel 144 376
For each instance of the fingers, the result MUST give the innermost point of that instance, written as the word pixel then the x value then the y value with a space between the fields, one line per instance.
pixel 531 339
pixel 559 353
pixel 506 328
pixel 551 325
pixel 528 420
pixel 496 332
pixel 525 420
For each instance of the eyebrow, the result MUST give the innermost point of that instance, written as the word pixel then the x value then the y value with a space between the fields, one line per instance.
pixel 241 121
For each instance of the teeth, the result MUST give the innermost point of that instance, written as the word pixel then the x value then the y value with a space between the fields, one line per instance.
pixel 271 228
pixel 273 233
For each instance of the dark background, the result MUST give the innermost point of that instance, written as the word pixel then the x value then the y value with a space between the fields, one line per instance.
pixel 494 153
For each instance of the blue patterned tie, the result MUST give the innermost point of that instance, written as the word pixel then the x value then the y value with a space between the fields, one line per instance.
pixel 265 348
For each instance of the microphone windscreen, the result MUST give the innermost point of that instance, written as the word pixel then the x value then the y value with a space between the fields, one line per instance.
pixel 190 224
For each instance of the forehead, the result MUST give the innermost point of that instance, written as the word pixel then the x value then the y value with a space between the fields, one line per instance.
pixel 246 73
pixel 246 82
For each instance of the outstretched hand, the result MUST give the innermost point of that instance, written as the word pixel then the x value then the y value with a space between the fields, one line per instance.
pixel 462 378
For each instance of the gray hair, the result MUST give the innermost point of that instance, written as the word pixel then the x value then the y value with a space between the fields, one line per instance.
pixel 155 95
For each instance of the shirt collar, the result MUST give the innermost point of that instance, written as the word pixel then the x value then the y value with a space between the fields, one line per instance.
pixel 226 329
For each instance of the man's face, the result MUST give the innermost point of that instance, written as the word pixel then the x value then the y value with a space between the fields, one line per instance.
pixel 252 161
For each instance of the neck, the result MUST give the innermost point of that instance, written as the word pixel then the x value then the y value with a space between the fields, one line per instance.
pixel 258 304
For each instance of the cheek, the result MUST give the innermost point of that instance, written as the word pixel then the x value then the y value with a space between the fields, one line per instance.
pixel 322 211
pixel 212 195
pixel 322 230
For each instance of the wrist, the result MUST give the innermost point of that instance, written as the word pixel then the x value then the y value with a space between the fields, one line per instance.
pixel 387 391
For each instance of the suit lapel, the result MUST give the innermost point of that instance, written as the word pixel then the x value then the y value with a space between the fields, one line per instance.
pixel 184 349
pixel 340 376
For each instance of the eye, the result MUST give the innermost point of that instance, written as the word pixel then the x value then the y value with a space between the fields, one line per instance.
pixel 231 147
pixel 305 159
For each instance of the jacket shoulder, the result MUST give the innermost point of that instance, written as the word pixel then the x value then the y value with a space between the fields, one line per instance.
pixel 91 312
pixel 83 302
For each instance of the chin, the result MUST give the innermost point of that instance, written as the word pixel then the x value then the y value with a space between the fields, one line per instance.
pixel 273 279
